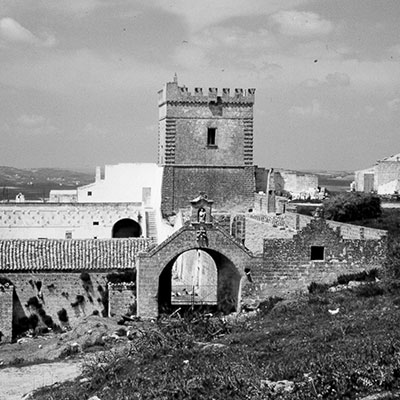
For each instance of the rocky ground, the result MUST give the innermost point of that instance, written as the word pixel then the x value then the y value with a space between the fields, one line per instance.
pixel 33 362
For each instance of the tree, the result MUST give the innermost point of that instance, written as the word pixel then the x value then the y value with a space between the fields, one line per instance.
pixel 352 206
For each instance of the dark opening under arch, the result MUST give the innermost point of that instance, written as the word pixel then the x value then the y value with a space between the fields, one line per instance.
pixel 126 228
pixel 227 284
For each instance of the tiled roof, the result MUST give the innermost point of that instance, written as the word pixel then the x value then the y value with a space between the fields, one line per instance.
pixel 49 255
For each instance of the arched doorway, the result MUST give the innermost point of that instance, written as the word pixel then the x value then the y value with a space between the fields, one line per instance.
pixel 126 228
pixel 196 278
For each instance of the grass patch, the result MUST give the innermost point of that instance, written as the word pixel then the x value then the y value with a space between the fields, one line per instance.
pixel 342 356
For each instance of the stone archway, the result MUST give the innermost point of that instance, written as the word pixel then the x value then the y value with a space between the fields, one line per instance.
pixel 126 228
pixel 216 283
pixel 154 267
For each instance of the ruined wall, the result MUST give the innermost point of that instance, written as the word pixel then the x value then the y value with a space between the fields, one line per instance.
pixel 58 290
pixel 287 264
pixel 257 230
pixel 296 182
pixel 122 298
pixel 65 274
pixel 6 312
pixel 229 187
pixel 61 221
pixel 347 231
pixel 264 203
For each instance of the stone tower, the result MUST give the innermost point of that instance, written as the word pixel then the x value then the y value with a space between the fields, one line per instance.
pixel 205 144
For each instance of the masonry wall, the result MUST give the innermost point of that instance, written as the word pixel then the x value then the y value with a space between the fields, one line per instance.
pixel 229 255
pixel 359 177
pixel 58 290
pixel 185 118
pixel 348 231
pixel 264 203
pixel 258 230
pixel 296 183
pixel 287 266
pixel 231 188
pixel 61 221
pixel 122 298
pixel 6 313
pixel 386 172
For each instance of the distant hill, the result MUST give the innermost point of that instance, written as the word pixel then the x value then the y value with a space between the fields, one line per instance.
pixel 36 183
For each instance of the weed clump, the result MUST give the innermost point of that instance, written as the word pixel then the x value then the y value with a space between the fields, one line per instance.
pixel 370 290
pixel 122 277
pixel 62 315
pixel 364 276
pixel 317 288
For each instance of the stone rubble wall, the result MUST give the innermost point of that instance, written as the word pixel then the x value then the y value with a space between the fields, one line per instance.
pixel 6 313
pixel 122 298
pixel 287 266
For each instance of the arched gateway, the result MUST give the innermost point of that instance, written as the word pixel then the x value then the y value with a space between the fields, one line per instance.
pixel 231 258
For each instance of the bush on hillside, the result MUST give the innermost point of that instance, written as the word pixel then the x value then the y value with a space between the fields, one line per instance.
pixel 364 276
pixel 352 206
pixel 315 288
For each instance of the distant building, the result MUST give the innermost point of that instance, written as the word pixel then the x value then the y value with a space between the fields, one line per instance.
pixel 382 178
pixel 299 185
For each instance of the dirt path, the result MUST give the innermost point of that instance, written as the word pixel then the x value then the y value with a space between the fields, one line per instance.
pixel 16 382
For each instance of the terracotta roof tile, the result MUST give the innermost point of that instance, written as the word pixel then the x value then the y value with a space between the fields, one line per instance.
pixel 90 254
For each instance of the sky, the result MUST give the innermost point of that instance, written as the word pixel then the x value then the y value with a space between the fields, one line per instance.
pixel 79 78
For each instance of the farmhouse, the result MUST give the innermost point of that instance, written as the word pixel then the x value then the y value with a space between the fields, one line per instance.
pixel 203 226
pixel 383 178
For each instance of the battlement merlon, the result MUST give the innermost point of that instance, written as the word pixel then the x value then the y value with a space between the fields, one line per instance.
pixel 174 93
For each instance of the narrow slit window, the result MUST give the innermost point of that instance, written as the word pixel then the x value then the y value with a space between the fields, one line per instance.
pixel 317 253
pixel 211 133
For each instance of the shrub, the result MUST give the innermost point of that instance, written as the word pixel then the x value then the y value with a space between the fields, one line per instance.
pixel 364 276
pixel 120 277
pixel 33 321
pixel 267 305
pixel 78 301
pixel 352 206
pixel 5 281
pixel 62 315
pixel 48 321
pixel 85 277
pixel 104 301
pixel 370 290
pixel 25 323
pixel 33 302
pixel 315 288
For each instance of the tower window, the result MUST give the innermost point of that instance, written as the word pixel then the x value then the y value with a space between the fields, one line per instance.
pixel 211 133
pixel 317 253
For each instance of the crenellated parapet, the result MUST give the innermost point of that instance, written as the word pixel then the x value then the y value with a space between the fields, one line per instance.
pixel 180 94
